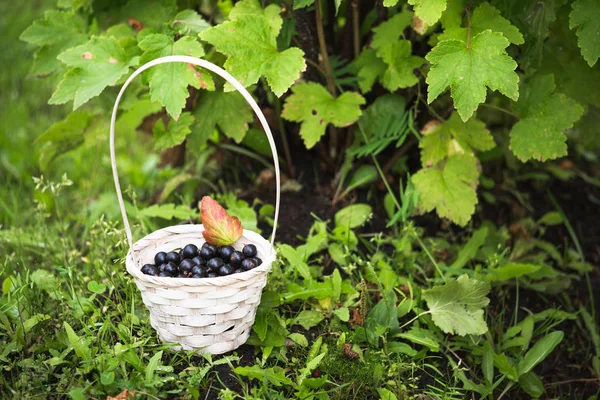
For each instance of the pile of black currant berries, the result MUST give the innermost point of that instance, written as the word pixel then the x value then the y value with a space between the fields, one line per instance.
pixel 207 262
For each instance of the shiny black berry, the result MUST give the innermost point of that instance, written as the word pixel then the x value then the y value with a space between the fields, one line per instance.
pixel 145 268
pixel 198 260
pixel 150 269
pixel 214 264
pixel 249 250
pixel 185 267
pixel 212 275
pixel 198 270
pixel 190 251
pixel 207 252
pixel 164 275
pixel 171 269
pixel 225 252
pixel 226 269
pixel 161 267
pixel 160 258
pixel 248 264
pixel 198 276
pixel 173 257
pixel 236 258
pixel 258 261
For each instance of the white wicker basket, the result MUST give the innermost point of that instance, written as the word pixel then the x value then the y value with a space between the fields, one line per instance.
pixel 210 315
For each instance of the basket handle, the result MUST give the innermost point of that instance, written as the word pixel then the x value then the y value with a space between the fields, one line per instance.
pixel 238 86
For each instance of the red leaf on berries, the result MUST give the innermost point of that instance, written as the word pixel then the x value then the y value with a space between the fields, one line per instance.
pixel 220 229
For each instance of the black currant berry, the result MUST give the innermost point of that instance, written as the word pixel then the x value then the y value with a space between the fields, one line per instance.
pixel 198 276
pixel 212 275
pixel 145 268
pixel 161 267
pixel 173 257
pixel 185 267
pixel 198 270
pixel 248 264
pixel 236 258
pixel 198 260
pixel 258 261
pixel 164 275
pixel 207 252
pixel 249 250
pixel 225 252
pixel 214 264
pixel 160 258
pixel 190 251
pixel 171 269
pixel 226 269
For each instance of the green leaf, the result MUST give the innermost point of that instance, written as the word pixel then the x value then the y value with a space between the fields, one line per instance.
pixel 54 33
pixel 81 348
pixel 487 364
pixel 96 287
pixel 299 339
pixel 310 289
pixel 531 384
pixel 131 119
pixel 169 82
pixel 174 134
pixel 470 248
pixel 97 64
pixel 540 350
pixel 31 322
pixel 72 128
pixel 485 17
pixel 232 117
pixel 151 14
pixel 151 368
pixel 421 336
pixel 391 61
pixel 295 260
pixel 511 271
pixel 467 71
pixel 586 18
pixel 189 22
pixel 275 375
pixel 450 189
pixel 309 318
pixel 353 216
pixel 454 137
pixel 385 394
pixel 298 4
pixel 168 211
pixel 457 306
pixel 249 40
pixel 313 106
pixel 505 366
pixel 364 175
pixel 370 69
pixel 107 378
pixel 343 314
pixel 545 116
pixel 428 10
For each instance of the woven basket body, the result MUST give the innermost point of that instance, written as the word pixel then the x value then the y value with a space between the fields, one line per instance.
pixel 213 315
pixel 209 315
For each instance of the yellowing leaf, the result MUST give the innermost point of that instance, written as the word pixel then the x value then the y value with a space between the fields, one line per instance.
pixel 169 82
pixel 97 64
pixel 428 10
pixel 454 137
pixel 485 17
pixel 469 71
pixel 545 116
pixel 219 228
pixel 457 306
pixel 586 18
pixel 249 40
pixel 175 133
pixel 312 105
pixel 449 188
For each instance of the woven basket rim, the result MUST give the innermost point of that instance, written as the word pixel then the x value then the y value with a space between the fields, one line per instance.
pixel 220 281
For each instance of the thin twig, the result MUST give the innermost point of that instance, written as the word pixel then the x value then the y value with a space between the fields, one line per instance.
pixel 500 109
pixel 356 27
pixel 573 381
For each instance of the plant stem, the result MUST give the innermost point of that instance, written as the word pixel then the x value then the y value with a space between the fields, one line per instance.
pixel 426 250
pixel 328 76
pixel 356 27
pixel 499 109
pixel 286 146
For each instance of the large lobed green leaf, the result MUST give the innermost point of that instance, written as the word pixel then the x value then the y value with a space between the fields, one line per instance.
pixel 585 17
pixel 457 306
pixel 249 39
pixel 545 116
pixel 315 107
pixel 169 82
pixel 429 11
pixel 469 71
pixel 97 64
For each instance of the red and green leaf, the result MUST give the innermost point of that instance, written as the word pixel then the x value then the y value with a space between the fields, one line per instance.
pixel 220 229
